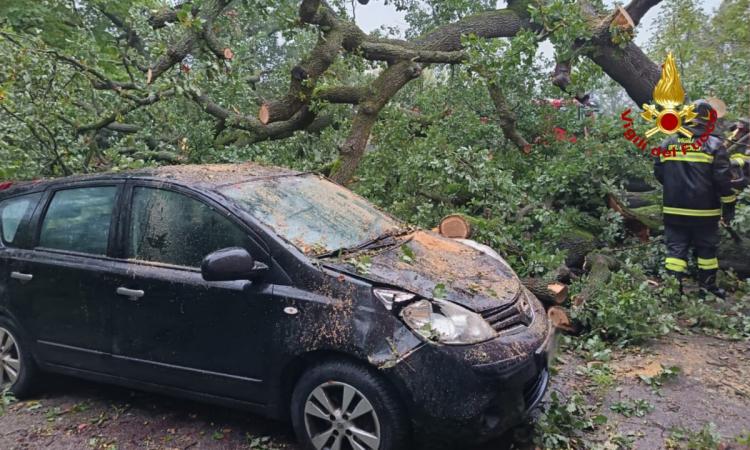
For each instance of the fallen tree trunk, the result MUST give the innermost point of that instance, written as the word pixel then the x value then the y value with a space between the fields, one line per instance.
pixel 642 221
pixel 734 255
pixel 578 243
pixel 647 220
pixel 599 267
pixel 549 292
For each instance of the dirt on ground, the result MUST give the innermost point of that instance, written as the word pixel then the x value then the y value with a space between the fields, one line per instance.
pixel 712 386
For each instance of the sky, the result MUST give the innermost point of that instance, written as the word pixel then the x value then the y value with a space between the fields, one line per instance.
pixel 377 14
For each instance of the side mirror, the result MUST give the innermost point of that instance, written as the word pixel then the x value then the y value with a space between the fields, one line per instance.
pixel 231 264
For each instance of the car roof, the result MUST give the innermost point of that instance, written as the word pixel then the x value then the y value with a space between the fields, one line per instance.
pixel 204 176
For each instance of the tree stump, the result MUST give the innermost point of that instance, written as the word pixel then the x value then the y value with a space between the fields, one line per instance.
pixel 560 320
pixel 455 226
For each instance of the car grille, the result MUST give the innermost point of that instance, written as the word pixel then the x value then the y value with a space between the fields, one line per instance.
pixel 534 390
pixel 511 316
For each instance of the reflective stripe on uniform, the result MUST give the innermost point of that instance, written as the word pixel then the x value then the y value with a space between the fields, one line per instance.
pixel 740 158
pixel 729 199
pixel 699 157
pixel 675 264
pixel 692 212
pixel 708 264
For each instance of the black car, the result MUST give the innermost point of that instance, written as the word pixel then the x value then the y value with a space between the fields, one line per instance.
pixel 271 290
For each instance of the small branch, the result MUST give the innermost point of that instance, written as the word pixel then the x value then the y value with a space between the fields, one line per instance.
pixel 51 144
pixel 506 117
pixel 131 37
pixel 137 103
pixel 123 127
pixel 179 50
pixel 161 18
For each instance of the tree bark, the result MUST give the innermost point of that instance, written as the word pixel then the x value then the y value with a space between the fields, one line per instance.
pixel 390 81
pixel 599 267
pixel 549 292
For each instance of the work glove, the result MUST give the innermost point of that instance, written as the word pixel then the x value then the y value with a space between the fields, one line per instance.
pixel 727 213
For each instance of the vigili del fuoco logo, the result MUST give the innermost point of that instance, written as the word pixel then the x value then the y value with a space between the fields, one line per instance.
pixel 666 115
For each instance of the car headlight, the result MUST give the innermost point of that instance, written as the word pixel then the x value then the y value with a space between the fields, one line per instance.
pixel 446 322
pixel 391 296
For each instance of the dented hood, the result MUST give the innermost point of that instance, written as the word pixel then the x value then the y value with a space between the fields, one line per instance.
pixel 434 265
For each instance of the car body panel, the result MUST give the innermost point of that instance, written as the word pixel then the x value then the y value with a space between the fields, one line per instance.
pixel 465 275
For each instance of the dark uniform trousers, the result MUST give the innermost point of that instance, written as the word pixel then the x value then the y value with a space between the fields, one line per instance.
pixel 703 238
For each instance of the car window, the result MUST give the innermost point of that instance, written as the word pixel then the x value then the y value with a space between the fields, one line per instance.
pixel 79 219
pixel 172 228
pixel 12 212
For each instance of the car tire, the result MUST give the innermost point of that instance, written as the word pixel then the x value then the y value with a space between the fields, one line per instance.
pixel 18 370
pixel 374 417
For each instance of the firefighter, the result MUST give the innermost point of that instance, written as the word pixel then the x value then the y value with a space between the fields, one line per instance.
pixel 739 140
pixel 738 148
pixel 697 194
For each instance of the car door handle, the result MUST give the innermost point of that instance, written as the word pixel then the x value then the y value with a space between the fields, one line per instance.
pixel 132 294
pixel 24 277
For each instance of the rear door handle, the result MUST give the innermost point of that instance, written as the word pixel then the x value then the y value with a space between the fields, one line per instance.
pixel 23 277
pixel 132 294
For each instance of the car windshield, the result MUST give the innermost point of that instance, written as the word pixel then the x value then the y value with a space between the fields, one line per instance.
pixel 316 215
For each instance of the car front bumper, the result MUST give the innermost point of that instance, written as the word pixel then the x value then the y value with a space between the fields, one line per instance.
pixel 476 392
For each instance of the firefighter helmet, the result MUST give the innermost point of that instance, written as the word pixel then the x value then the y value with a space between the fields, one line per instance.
pixel 705 112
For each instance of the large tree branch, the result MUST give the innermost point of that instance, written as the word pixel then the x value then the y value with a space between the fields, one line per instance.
pixel 259 131
pixel 442 45
pixel 390 81
pixel 638 8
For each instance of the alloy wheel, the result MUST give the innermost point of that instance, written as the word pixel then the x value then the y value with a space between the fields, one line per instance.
pixel 10 359
pixel 340 417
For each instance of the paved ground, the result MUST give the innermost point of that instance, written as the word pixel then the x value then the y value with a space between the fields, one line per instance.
pixel 714 386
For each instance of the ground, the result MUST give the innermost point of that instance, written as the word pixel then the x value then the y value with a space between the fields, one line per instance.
pixel 712 386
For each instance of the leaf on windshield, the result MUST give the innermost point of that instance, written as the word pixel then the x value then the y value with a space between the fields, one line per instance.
pixel 361 264
pixel 407 254
pixel 439 291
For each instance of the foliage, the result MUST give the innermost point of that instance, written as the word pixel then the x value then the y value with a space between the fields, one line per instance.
pixel 635 408
pixel 560 425
pixel 6 399
pixel 703 43
pixel 627 310
pixel 706 437
pixel 664 375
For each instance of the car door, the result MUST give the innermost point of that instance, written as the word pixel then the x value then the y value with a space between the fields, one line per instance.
pixel 170 326
pixel 15 215
pixel 58 287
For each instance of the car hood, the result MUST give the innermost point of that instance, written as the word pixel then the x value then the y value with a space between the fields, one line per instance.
pixel 436 266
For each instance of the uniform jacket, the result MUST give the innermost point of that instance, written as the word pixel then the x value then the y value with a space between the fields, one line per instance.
pixel 696 179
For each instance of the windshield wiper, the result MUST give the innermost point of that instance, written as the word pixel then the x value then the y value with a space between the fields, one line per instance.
pixel 370 243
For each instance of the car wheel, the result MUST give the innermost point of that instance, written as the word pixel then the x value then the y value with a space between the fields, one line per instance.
pixel 17 367
pixel 341 405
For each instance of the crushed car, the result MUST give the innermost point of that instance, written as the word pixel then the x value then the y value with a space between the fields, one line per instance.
pixel 270 290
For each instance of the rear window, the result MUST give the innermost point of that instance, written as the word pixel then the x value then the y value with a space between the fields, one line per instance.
pixel 78 220
pixel 12 212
